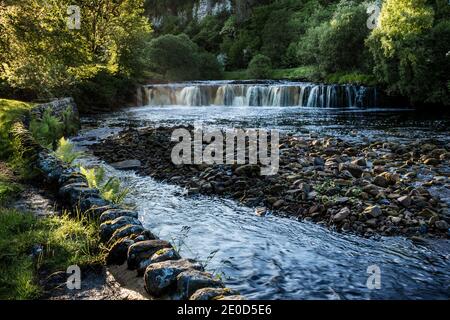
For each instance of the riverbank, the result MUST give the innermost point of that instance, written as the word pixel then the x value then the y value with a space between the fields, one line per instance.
pixel 372 188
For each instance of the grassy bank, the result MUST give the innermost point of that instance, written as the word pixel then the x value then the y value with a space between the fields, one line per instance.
pixel 32 248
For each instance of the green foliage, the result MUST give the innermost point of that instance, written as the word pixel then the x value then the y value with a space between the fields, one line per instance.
pixel 65 151
pixel 63 242
pixel 110 189
pixel 48 130
pixel 10 112
pixel 41 54
pixel 8 189
pixel 176 57
pixel 260 67
pixel 410 50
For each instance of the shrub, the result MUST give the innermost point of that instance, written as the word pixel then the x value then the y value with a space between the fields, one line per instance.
pixel 260 67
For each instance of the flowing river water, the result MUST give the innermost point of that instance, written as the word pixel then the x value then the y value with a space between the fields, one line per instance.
pixel 275 257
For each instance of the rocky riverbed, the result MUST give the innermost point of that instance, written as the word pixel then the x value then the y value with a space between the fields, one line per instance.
pixel 365 187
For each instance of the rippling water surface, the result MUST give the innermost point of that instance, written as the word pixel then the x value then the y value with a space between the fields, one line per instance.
pixel 274 257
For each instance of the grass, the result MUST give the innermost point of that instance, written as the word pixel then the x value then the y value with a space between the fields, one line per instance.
pixel 64 242
pixel 10 111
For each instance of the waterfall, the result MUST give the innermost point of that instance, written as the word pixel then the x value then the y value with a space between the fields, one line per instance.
pixel 269 94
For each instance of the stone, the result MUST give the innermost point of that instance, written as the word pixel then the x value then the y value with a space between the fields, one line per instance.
pixel 360 162
pixel 132 164
pixel 248 170
pixel 278 204
pixel 405 201
pixel 261 211
pixel 441 225
pixel 117 253
pixel 144 250
pixel 381 181
pixel 74 192
pixel 355 170
pixel 432 162
pixel 161 255
pixel 130 231
pixel 116 213
pixel 374 211
pixel 319 162
pixel 107 228
pixel 191 280
pixel 86 204
pixel 160 277
pixel 212 293
pixel 341 215
pixel 236 297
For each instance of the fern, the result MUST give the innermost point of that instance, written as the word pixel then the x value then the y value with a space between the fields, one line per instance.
pixel 48 130
pixel 65 151
pixel 110 190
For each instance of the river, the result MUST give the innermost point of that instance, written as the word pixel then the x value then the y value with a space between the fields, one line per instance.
pixel 275 257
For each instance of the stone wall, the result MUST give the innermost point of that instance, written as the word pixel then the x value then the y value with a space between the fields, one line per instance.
pixel 165 273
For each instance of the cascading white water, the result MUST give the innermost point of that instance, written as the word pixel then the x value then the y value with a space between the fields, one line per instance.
pixel 277 94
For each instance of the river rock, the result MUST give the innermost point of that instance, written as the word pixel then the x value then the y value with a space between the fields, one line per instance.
pixel 107 228
pixel 86 204
pixel 127 165
pixel 144 250
pixel 441 225
pixel 341 215
pixel 191 280
pixel 248 170
pixel 374 211
pixel 160 277
pixel 161 255
pixel 117 253
pixel 129 231
pixel 115 213
pixel 355 170
pixel 405 201
pixel 73 192
pixel 212 293
pixel 381 181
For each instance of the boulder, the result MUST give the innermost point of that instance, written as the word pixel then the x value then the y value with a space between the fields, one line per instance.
pixel 130 231
pixel 116 213
pixel 117 253
pixel 405 201
pixel 144 250
pixel 74 192
pixel 191 280
pixel 161 255
pixel 107 228
pixel 160 277
pixel 212 293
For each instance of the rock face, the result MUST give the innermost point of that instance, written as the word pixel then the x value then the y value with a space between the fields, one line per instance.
pixel 190 281
pixel 117 254
pixel 144 250
pixel 162 276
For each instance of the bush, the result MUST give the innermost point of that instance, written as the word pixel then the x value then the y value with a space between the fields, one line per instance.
pixel 260 67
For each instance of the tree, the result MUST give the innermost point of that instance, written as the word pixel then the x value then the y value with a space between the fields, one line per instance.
pixel 260 67
pixel 44 55
pixel 409 47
